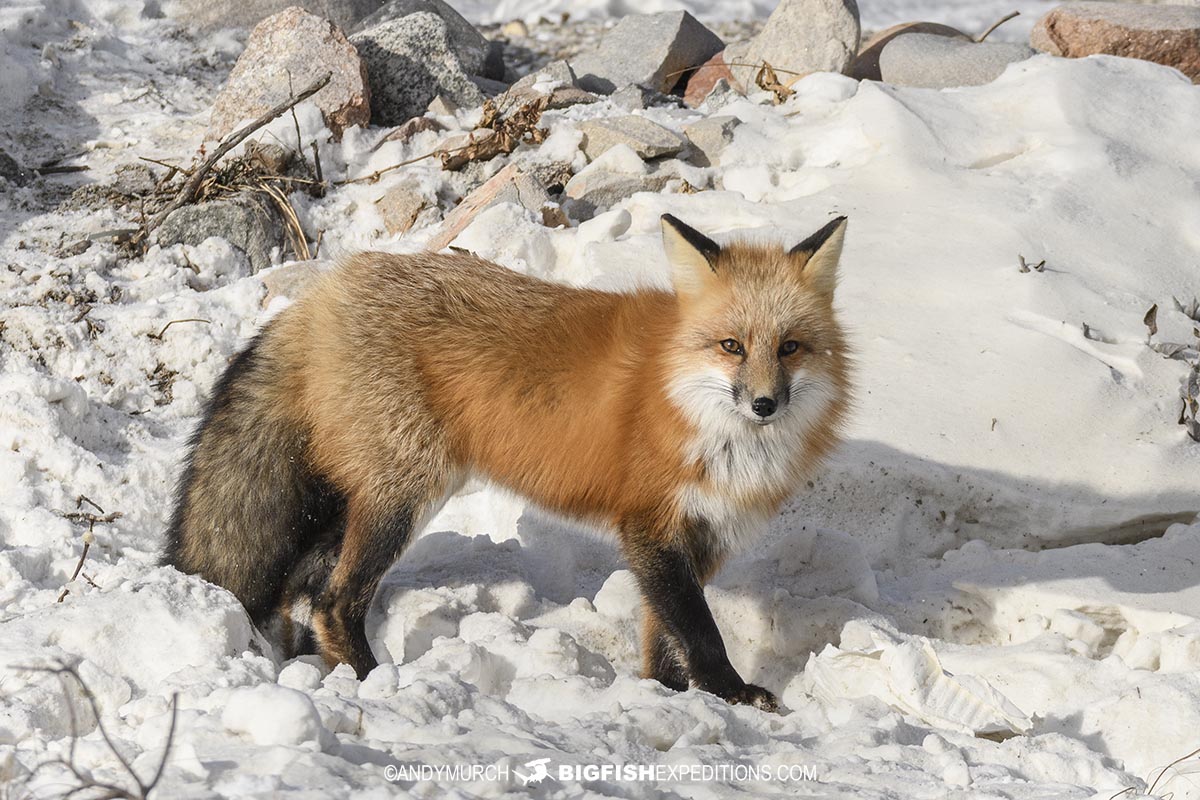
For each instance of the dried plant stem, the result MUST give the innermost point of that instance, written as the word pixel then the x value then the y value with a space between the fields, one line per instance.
pixel 188 192
pixel 995 25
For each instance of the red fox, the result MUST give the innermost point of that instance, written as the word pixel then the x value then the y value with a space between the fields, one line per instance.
pixel 681 420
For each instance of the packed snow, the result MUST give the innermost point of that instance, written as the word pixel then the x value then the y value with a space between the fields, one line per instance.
pixel 991 591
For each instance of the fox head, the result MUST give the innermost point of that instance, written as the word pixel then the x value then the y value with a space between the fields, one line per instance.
pixel 759 343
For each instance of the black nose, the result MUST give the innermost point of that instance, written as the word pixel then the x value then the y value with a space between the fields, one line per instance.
pixel 763 406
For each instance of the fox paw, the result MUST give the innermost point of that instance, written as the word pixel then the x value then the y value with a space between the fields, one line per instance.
pixel 750 695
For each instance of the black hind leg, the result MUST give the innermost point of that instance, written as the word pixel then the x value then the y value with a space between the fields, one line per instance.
pixel 306 584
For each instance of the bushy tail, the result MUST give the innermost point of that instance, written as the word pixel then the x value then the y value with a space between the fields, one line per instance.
pixel 248 507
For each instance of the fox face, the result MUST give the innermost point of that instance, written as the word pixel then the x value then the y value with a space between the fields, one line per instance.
pixel 759 345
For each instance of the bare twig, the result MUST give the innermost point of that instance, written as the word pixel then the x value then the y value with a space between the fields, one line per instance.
pixel 188 192
pixel 377 174
pixel 797 73
pixel 995 25
pixel 83 498
pixel 163 332
pixel 320 190
pixel 175 167
pixel 86 781
pixel 1026 267
pixel 1179 760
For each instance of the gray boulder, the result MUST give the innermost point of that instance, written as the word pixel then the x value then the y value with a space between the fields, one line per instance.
pixel 930 61
pixel 647 139
pixel 247 222
pixel 651 50
pixel 800 36
pixel 477 54
pixel 285 53
pixel 412 60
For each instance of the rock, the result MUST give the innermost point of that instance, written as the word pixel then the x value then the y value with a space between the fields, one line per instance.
pixel 466 42
pixel 638 98
pixel 865 66
pixel 556 80
pixel 651 50
pixel 709 137
pixel 134 180
pixel 618 174
pixel 440 107
pixel 1164 34
pixel 247 222
pixel 937 62
pixel 722 94
pixel 299 45
pixel 410 61
pixel 399 207
pixel 210 15
pixel 702 81
pixel 590 194
pixel 800 36
pixel 509 185
pixel 489 87
pixel 647 139
pixel 290 280
pixel 11 171
pixel 515 29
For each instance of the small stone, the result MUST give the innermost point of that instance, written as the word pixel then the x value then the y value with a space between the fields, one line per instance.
pixel 515 29
pixel 1164 34
pixel 410 61
pixel 509 185
pixel 284 54
pixel 702 81
pixel 11 171
pixel 555 80
pixel 723 93
pixel 652 50
pixel 466 42
pixel 290 281
pixel 441 107
pixel 936 62
pixel 647 139
pixel 554 217
pixel 800 36
pixel 709 137
pixel 489 87
pixel 247 222
pixel 399 207
pixel 865 66
pixel 638 98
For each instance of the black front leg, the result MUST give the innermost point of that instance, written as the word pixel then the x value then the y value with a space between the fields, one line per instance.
pixel 670 576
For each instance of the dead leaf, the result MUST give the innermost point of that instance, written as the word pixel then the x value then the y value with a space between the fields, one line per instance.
pixel 767 79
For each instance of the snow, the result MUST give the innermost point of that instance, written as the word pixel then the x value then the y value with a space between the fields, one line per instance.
pixel 970 16
pixel 992 586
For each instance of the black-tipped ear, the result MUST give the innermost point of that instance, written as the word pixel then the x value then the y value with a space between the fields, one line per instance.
pixel 813 243
pixel 693 259
pixel 687 237
pixel 818 255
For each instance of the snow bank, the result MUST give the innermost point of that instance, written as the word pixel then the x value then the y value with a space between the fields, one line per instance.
pixel 898 606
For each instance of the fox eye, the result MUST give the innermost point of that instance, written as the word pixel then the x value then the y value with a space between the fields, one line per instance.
pixel 732 346
pixel 789 347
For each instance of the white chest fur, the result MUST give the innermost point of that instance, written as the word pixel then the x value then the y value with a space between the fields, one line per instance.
pixel 744 461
